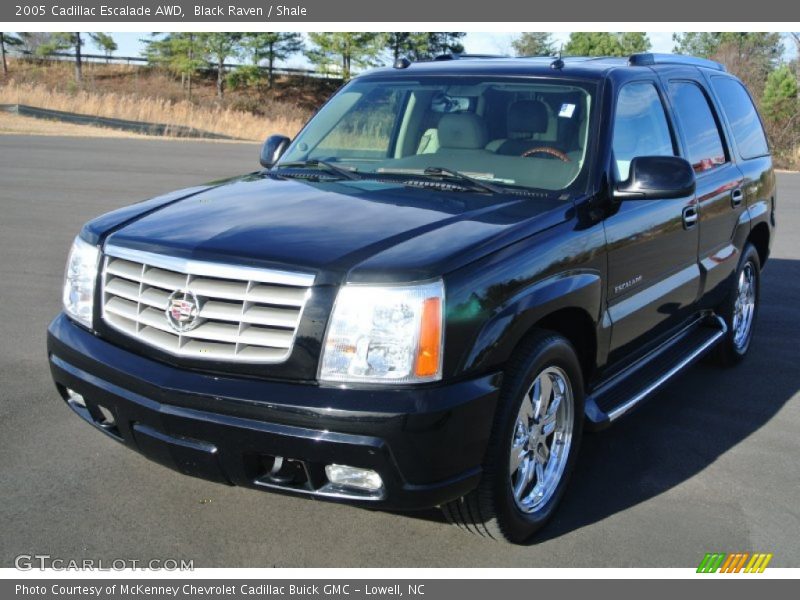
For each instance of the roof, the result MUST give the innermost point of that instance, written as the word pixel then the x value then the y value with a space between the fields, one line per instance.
pixel 581 66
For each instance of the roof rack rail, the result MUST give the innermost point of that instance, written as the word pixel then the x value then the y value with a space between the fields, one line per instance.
pixel 646 59
pixel 457 56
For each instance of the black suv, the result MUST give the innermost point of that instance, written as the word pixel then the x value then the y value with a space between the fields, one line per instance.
pixel 423 298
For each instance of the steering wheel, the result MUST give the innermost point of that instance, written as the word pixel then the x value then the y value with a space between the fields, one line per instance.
pixel 547 150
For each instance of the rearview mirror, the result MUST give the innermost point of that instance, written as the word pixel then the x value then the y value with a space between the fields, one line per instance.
pixel 657 178
pixel 273 149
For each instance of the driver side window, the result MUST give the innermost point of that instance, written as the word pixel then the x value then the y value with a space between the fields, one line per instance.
pixel 640 127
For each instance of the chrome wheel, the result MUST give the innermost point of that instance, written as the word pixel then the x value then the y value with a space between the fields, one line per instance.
pixel 541 439
pixel 744 306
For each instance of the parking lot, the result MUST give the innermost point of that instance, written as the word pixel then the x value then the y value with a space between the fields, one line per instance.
pixel 710 464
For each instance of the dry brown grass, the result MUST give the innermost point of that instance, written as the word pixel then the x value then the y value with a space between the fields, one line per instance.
pixel 155 94
pixel 290 94
pixel 226 121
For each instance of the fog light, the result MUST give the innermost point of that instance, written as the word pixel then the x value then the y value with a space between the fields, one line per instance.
pixel 75 398
pixel 364 479
pixel 107 417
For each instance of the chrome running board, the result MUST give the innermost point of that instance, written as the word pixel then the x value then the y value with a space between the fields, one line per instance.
pixel 622 393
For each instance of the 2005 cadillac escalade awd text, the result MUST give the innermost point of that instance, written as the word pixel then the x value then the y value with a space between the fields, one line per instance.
pixel 423 298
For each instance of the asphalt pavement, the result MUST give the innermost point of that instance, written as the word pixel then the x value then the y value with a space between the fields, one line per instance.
pixel 709 464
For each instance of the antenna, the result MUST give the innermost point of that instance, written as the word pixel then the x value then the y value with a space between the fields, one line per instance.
pixel 558 63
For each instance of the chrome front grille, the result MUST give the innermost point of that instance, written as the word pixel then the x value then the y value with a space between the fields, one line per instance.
pixel 241 314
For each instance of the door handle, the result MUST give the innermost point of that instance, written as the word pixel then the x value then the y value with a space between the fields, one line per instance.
pixel 689 217
pixel 736 197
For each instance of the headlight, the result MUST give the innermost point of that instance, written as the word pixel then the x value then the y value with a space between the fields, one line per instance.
pixel 79 279
pixel 390 334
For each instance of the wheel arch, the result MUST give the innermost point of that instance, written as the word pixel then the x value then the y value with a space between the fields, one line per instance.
pixel 567 304
pixel 760 237
pixel 576 325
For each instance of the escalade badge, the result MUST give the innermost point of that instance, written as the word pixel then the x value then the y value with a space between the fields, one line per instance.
pixel 182 311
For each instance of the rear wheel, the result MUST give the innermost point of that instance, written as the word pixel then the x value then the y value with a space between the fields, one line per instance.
pixel 534 444
pixel 740 309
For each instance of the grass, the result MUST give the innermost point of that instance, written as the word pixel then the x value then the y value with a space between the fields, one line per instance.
pixel 151 94
pixel 227 121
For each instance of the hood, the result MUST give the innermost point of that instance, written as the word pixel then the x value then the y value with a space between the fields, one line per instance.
pixel 362 230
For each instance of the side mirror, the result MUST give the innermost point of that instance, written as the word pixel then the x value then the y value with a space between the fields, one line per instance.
pixel 657 178
pixel 273 149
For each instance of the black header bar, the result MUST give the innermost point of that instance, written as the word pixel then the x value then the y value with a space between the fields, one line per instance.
pixel 374 11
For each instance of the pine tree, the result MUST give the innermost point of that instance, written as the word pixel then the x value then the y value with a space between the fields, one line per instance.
pixel 606 43
pixel 444 43
pixel 220 46
pixel 272 47
pixel 779 102
pixel 60 42
pixel 534 43
pixel 105 42
pixel 411 44
pixel 349 49
pixel 181 53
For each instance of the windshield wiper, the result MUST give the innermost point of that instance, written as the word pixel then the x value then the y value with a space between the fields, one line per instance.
pixel 463 178
pixel 329 167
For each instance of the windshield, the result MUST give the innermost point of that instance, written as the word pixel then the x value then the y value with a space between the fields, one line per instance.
pixel 528 133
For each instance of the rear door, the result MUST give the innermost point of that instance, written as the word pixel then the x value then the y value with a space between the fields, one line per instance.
pixel 653 276
pixel 748 145
pixel 720 195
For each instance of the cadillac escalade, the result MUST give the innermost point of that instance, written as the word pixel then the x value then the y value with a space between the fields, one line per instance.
pixel 427 295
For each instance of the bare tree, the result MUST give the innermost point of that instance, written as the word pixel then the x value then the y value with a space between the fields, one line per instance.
pixel 796 39
pixel 31 40
pixel 7 39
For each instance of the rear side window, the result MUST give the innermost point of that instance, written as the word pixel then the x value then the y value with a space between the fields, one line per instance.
pixel 704 144
pixel 640 126
pixel 741 114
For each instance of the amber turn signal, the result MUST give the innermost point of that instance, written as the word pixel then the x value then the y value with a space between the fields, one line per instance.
pixel 430 339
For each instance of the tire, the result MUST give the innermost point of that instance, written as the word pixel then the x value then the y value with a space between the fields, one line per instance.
pixel 734 346
pixel 493 509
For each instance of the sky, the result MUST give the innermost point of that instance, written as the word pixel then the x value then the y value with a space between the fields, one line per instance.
pixel 131 44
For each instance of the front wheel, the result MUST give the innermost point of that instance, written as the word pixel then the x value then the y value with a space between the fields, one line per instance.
pixel 534 443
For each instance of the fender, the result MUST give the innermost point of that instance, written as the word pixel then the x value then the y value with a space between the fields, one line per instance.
pixel 514 318
pixel 758 212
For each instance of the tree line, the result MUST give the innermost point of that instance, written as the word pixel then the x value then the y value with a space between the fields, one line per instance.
pixel 186 53
pixel 337 52
pixel 755 57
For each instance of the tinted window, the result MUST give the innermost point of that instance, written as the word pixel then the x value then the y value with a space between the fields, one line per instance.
pixel 367 126
pixel 738 107
pixel 705 150
pixel 640 126
pixel 394 129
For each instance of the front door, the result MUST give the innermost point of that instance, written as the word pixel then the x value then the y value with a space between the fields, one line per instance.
pixel 653 273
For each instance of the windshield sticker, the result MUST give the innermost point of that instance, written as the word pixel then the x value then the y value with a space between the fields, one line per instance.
pixel 566 111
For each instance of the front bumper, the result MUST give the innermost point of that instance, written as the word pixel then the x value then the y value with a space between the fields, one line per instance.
pixel 427 443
